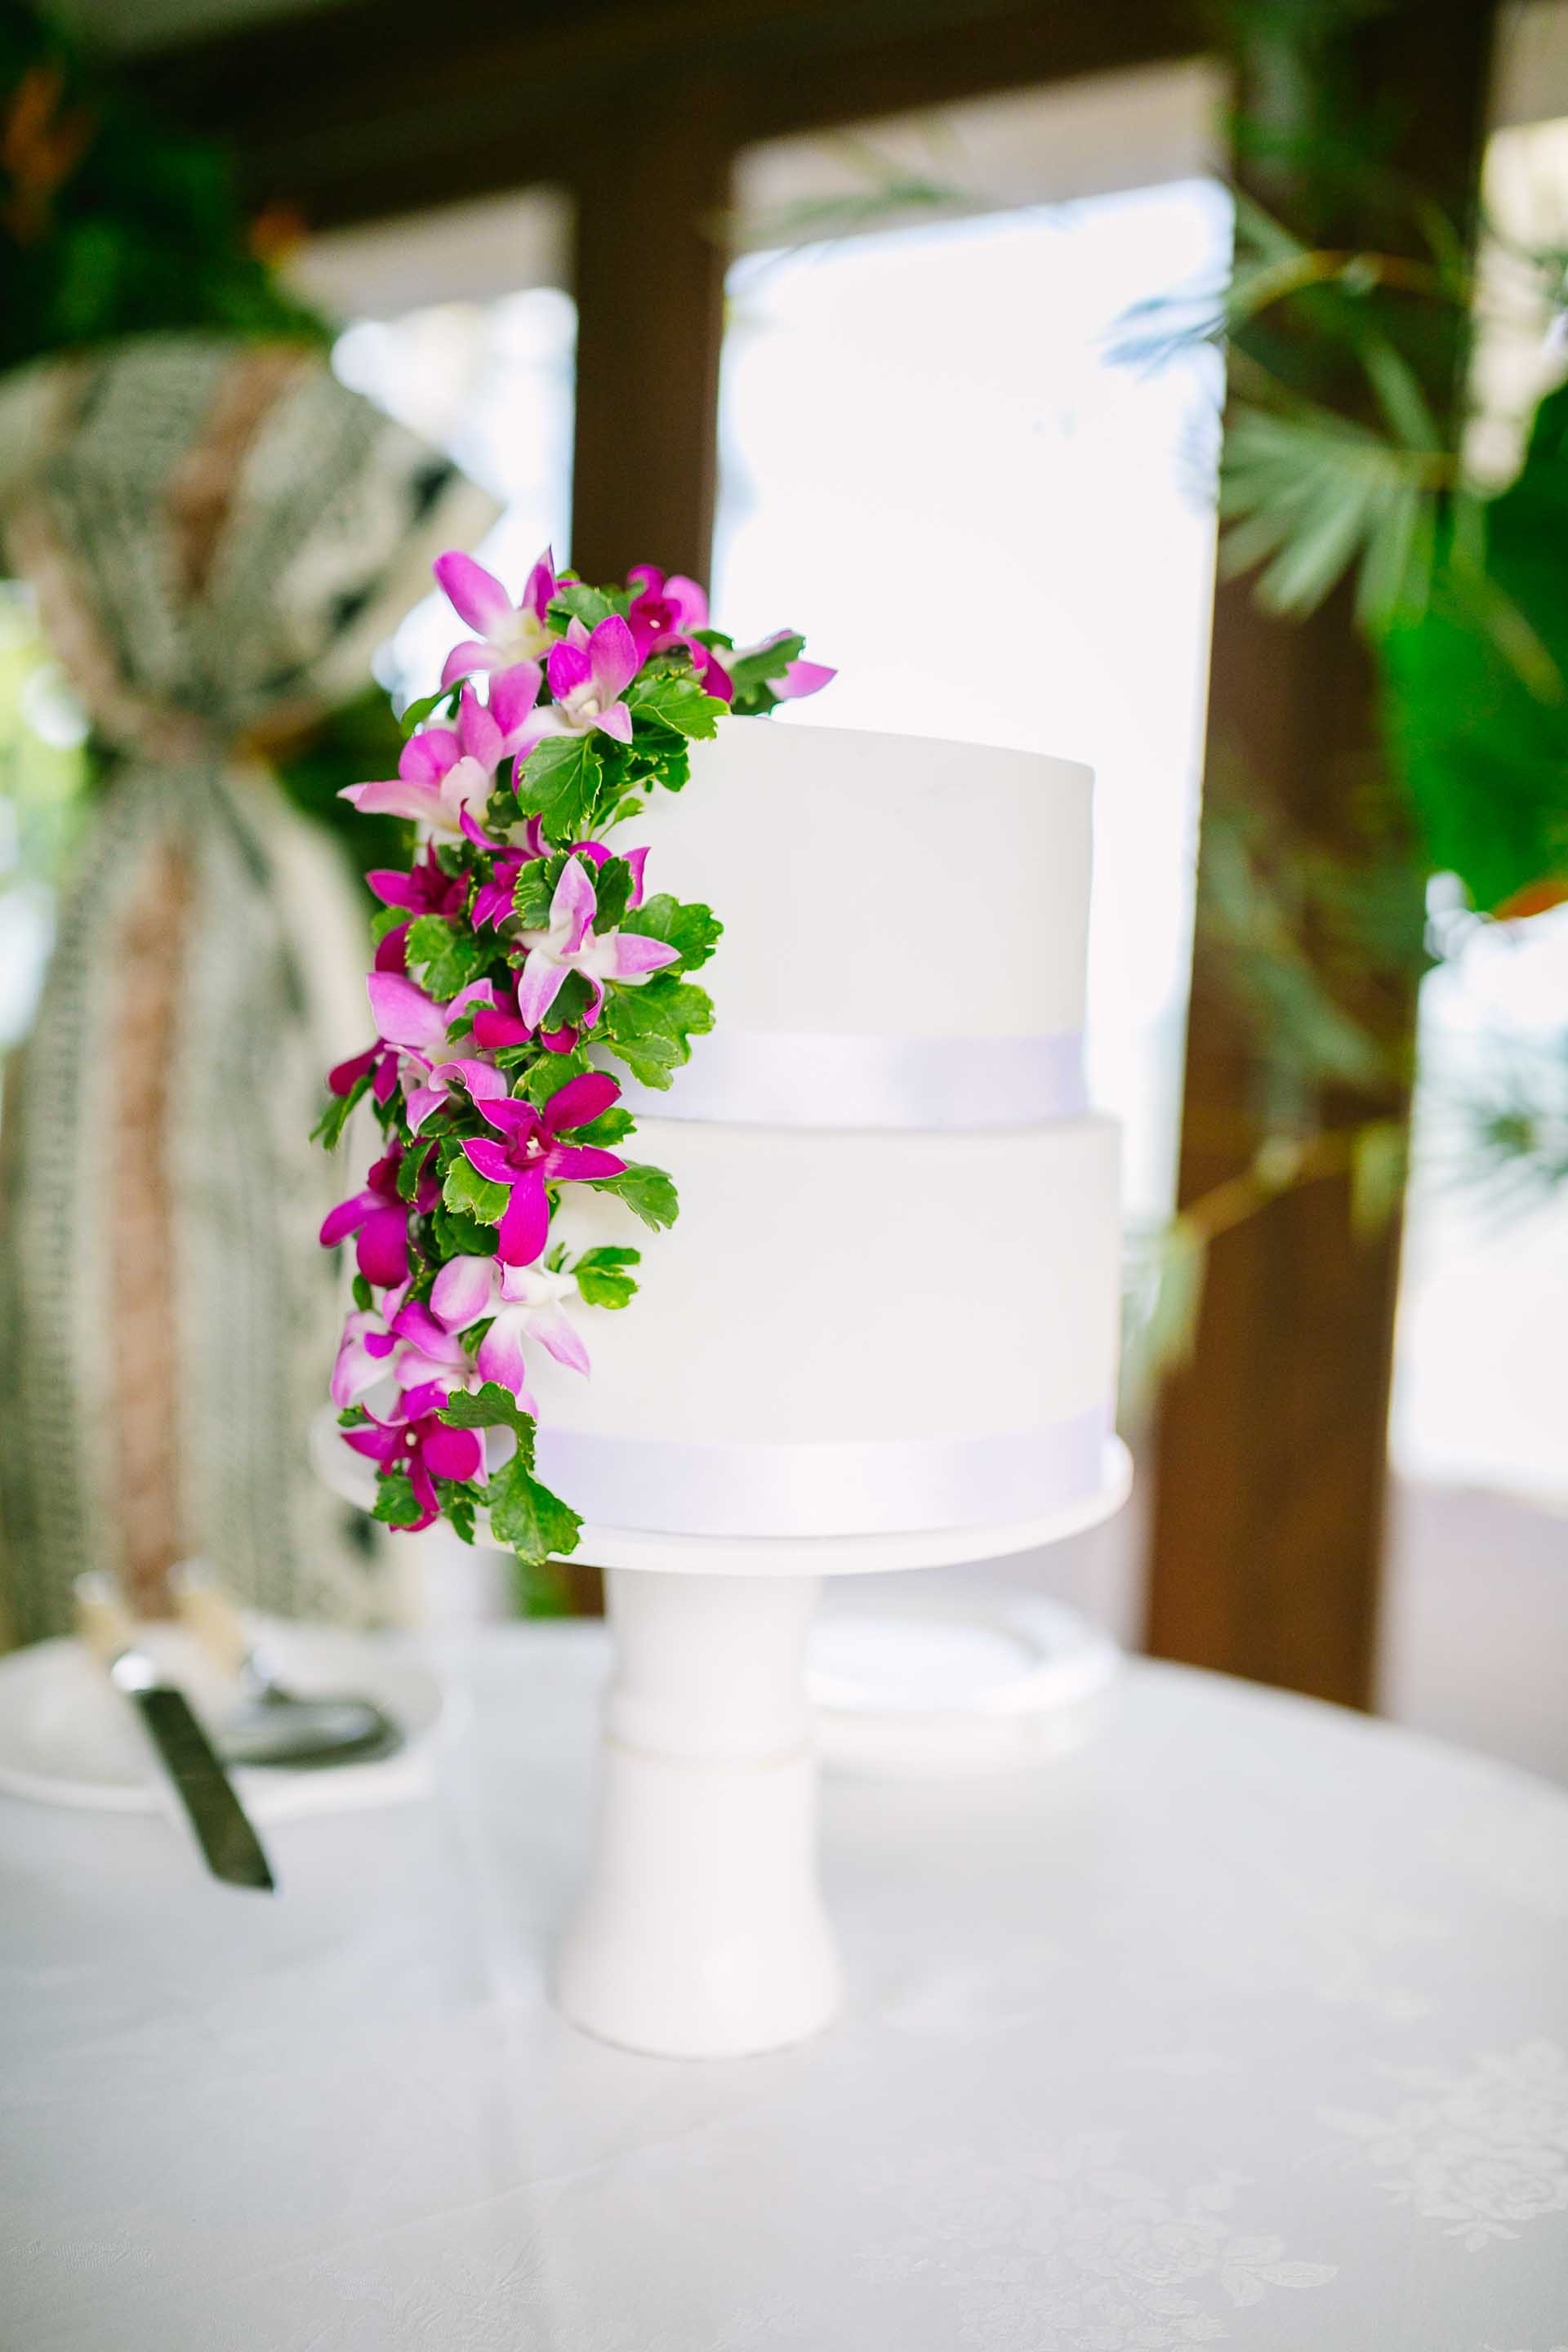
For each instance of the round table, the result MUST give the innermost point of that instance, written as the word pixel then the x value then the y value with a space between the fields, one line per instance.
pixel 1243 2024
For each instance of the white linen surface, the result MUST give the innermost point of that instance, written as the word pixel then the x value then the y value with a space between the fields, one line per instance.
pixel 1245 2024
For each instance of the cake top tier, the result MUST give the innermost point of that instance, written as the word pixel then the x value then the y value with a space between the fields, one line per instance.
pixel 883 886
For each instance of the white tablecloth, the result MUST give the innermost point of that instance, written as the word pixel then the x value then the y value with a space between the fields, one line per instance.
pixel 1243 2026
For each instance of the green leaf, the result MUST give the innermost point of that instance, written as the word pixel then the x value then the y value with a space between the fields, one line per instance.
pixel 329 1129
pixel 650 1028
pixel 1476 699
pixel 460 1509
pixel 691 927
pixel 547 1075
pixel 574 601
pixel 524 1513
pixel 606 1287
pixel 659 756
pixel 533 889
pixel 559 781
pixel 395 1502
pixel 602 1278
pixel 385 919
pixel 612 1127
pixel 647 1192
pixel 415 713
pixel 573 999
pixel 749 671
pixel 445 956
pixel 611 892
pixel 1311 496
pixel 469 1194
pixel 674 699
pixel 411 1170
pixel 361 1294
pixel 490 1407
pixel 461 1236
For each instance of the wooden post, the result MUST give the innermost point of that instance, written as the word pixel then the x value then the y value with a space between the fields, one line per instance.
pixel 1272 1445
pixel 651 261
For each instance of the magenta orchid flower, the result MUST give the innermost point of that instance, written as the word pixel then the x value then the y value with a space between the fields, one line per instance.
pixel 794 678
pixel 526 1302
pixel 571 944
pixel 382 1062
pixel 445 774
pixel 533 1155
pixel 588 675
pixel 493 901
pixel 380 1220
pixel 424 889
pixel 666 610
pixel 427 1449
pixel 509 633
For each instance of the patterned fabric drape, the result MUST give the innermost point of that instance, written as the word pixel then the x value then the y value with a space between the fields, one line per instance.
pixel 219 534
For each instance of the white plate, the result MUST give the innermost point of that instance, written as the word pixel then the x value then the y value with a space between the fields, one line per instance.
pixel 931 1687
pixel 67 1737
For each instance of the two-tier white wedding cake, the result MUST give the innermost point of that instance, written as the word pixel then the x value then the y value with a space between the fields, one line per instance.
pixel 890 1302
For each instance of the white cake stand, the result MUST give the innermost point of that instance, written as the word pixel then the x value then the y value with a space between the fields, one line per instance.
pixel 700 1931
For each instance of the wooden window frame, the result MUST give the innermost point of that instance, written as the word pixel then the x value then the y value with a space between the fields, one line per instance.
pixel 1271 1461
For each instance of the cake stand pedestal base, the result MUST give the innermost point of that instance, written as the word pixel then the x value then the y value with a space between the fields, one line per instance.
pixel 700 1931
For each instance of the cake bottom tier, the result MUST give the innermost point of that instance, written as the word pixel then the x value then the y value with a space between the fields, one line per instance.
pixel 846 1333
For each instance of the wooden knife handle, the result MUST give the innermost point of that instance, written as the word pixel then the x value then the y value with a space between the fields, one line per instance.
pixel 204 1608
pixel 102 1620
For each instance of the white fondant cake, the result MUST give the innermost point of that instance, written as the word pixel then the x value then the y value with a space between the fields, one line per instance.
pixel 892 1297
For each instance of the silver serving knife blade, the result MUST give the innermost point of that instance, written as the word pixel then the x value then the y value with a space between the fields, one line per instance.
pixel 232 1848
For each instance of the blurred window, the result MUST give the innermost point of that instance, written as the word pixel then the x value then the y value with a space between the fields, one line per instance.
pixel 458 324
pixel 933 461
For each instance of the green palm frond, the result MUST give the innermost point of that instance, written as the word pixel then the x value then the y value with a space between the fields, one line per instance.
pixel 1311 496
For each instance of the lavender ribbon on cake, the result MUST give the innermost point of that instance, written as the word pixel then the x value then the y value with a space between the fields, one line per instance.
pixel 876 1487
pixel 784 1078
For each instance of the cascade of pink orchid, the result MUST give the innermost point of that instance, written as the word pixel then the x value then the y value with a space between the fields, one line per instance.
pixel 518 955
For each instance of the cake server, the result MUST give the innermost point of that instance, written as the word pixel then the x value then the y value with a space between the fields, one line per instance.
pixel 231 1846
pixel 277 1726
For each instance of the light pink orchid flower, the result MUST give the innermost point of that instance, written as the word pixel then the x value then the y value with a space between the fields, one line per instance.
pixel 363 1350
pixel 509 633
pixel 431 1063
pixel 588 675
pixel 571 944
pixel 431 1359
pixel 445 773
pixel 794 678
pixel 526 1302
